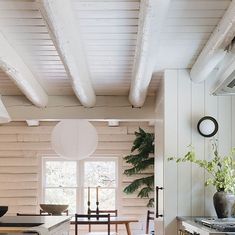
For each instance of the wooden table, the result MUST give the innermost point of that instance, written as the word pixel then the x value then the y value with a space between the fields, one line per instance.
pixel 113 220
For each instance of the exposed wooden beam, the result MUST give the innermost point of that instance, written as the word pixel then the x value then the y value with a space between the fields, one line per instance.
pixel 64 31
pixel 68 107
pixel 13 65
pixel 214 51
pixel 151 21
pixel 4 116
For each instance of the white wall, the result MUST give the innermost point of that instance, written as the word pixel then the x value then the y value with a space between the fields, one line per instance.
pixel 185 104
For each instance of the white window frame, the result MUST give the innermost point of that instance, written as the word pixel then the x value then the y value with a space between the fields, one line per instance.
pixel 57 159
pixel 101 159
pixel 80 178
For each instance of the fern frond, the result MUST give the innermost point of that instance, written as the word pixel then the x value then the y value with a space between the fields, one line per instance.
pixel 138 168
pixel 144 192
pixel 149 181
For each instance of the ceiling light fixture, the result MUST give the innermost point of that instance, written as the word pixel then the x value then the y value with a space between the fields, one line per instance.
pixel 74 139
pixel 207 126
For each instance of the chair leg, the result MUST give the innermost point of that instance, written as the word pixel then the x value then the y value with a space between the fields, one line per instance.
pixel 147 227
pixel 108 228
pixel 76 229
pixel 116 228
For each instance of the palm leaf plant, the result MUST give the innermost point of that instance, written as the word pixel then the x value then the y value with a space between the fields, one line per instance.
pixel 141 158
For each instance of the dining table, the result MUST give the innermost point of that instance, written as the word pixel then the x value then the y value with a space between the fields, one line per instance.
pixel 117 220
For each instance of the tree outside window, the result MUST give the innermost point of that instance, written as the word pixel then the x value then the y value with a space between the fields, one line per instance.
pixel 62 179
pixel 100 174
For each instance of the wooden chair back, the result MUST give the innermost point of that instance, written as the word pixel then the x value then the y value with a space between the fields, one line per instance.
pixel 113 213
pixel 91 218
pixel 31 214
pixel 149 217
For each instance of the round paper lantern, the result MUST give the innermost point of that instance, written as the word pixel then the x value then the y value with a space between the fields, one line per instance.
pixel 76 139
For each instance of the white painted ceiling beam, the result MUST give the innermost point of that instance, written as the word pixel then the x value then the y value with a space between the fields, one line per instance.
pixel 63 28
pixel 214 51
pixel 68 107
pixel 13 65
pixel 151 21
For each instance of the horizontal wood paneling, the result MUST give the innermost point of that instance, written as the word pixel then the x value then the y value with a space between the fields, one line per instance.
pixel 11 161
pixel 13 193
pixel 21 209
pixel 19 185
pixel 18 201
pixel 18 177
pixel 14 153
pixel 21 149
pixel 17 169
pixel 25 130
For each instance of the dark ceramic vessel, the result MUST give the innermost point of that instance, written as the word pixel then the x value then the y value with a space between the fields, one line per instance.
pixel 223 203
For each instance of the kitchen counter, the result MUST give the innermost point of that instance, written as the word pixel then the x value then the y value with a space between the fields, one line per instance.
pixel 18 233
pixel 36 224
pixel 188 223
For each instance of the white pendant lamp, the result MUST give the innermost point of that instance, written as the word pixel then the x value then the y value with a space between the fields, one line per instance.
pixel 74 139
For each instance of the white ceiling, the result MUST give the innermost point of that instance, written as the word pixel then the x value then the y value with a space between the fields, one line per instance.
pixel 109 32
pixel 188 27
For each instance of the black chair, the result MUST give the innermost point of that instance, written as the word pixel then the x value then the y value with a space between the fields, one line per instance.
pixel 113 213
pixel 92 219
pixel 149 217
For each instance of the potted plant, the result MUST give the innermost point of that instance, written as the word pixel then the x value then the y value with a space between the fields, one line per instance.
pixel 222 176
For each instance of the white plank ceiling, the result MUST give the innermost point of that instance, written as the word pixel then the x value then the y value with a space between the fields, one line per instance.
pixel 109 31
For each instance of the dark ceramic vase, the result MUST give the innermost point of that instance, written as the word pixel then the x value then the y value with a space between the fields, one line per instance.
pixel 223 203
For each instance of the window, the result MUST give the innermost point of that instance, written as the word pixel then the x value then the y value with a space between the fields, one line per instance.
pixel 60 183
pixel 100 174
pixel 67 182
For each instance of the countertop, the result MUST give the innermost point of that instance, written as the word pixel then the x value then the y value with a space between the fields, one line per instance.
pixel 191 220
pixel 17 233
pixel 31 223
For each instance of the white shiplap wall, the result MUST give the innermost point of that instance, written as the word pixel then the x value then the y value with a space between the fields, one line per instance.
pixel 185 104
pixel 21 148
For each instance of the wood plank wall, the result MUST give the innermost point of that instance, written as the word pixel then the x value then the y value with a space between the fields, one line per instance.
pixel 185 104
pixel 21 148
